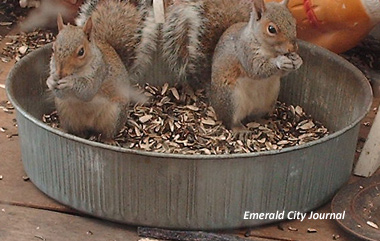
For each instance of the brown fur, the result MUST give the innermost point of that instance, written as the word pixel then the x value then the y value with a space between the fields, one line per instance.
pixel 117 23
pixel 220 15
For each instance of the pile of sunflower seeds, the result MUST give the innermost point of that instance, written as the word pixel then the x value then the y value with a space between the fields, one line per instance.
pixel 19 45
pixel 10 12
pixel 178 120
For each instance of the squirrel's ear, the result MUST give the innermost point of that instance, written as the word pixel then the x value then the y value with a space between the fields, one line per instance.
pixel 258 8
pixel 60 22
pixel 285 2
pixel 88 27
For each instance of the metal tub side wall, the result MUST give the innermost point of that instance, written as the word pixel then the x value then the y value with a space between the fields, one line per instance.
pixel 178 191
pixel 328 87
pixel 183 193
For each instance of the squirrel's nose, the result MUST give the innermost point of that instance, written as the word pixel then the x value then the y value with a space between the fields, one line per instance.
pixel 61 73
pixel 292 47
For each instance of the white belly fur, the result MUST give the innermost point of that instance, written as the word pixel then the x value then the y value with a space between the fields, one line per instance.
pixel 255 97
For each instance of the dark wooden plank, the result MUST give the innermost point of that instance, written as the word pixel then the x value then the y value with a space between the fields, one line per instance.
pixel 177 235
pixel 13 189
pixel 24 224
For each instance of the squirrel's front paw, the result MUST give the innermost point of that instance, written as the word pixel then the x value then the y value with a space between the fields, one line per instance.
pixel 284 63
pixel 289 62
pixel 64 84
pixel 297 60
pixel 51 82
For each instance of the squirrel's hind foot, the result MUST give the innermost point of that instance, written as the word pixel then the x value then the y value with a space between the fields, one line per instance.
pixel 241 132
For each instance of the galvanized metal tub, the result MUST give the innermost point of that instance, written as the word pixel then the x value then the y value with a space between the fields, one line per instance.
pixel 199 191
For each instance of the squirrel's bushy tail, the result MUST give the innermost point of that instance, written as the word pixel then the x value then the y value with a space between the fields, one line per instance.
pixel 85 11
pixel 185 41
pixel 181 37
pixel 115 23
pixel 220 15
pixel 192 30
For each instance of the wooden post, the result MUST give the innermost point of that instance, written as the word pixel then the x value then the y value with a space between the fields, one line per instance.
pixel 369 160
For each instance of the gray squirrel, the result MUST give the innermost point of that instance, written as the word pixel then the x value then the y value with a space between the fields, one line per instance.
pixel 249 60
pixel 89 82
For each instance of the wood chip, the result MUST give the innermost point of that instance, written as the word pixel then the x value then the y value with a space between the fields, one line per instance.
pixel 308 125
pixel 175 93
pixel 372 224
pixel 145 118
pixel 293 229
pixel 192 107
pixel 23 49
pixel 311 230
pixel 336 236
pixel 40 237
pixel 11 135
pixel 298 110
pixel 5 23
pixel 208 121
pixel 164 88
pixel 367 124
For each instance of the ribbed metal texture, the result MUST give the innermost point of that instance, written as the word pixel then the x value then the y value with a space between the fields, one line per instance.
pixel 196 192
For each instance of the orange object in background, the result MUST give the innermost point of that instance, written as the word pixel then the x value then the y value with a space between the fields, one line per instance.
pixel 337 25
pixel 45 15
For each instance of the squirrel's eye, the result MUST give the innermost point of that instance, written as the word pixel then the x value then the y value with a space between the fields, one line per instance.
pixel 81 52
pixel 272 29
